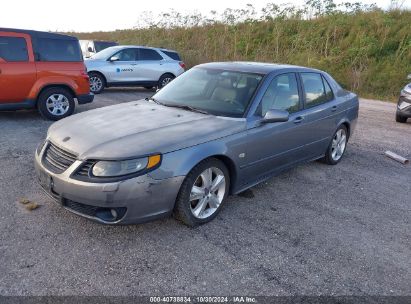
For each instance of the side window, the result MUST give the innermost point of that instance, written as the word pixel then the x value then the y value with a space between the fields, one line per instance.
pixel 148 54
pixel 172 55
pixel 66 50
pixel 314 89
pixel 13 49
pixel 282 94
pixel 127 55
pixel 328 92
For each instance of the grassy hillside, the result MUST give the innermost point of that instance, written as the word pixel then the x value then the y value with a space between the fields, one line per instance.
pixel 367 52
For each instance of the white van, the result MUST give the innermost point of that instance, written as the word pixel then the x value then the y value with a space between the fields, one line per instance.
pixel 90 47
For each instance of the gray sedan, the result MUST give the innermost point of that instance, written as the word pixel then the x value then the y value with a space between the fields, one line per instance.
pixel 216 130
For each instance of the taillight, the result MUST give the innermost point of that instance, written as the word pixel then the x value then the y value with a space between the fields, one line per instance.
pixel 84 74
pixel 182 64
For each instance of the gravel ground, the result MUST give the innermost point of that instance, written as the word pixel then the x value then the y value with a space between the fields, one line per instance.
pixel 314 230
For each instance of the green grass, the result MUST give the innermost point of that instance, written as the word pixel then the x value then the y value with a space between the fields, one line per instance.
pixel 367 52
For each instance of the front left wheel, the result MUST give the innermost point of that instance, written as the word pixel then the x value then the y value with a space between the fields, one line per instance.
pixel 202 193
pixel 97 82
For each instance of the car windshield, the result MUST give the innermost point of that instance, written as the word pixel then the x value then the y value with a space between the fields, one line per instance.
pixel 101 45
pixel 105 54
pixel 218 92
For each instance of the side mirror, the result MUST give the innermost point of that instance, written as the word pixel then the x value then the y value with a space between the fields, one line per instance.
pixel 90 49
pixel 114 58
pixel 275 116
pixel 409 76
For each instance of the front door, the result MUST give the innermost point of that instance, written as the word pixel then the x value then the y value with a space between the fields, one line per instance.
pixel 276 146
pixel 123 70
pixel 17 67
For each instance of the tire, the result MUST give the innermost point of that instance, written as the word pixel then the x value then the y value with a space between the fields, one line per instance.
pixel 188 207
pixel 337 147
pixel 55 103
pixel 399 118
pixel 164 80
pixel 97 82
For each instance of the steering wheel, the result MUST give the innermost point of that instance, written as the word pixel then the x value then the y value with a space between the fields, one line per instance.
pixel 236 103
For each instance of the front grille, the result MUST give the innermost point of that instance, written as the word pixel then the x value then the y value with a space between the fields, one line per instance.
pixel 56 159
pixel 85 168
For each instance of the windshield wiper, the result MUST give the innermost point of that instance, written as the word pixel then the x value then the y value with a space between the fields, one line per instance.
pixel 186 107
pixel 154 100
pixel 179 106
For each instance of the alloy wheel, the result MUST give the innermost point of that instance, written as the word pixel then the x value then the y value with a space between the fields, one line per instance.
pixel 166 81
pixel 338 144
pixel 95 84
pixel 207 193
pixel 57 104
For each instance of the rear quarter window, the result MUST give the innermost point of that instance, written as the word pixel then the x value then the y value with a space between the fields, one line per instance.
pixel 172 55
pixel 13 49
pixel 149 54
pixel 58 50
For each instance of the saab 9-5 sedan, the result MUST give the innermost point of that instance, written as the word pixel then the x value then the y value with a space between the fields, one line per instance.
pixel 216 130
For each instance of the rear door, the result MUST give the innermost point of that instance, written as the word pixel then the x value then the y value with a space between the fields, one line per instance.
pixel 150 65
pixel 322 113
pixel 17 67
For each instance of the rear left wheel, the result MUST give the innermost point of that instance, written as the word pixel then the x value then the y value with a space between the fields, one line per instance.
pixel 165 80
pixel 202 193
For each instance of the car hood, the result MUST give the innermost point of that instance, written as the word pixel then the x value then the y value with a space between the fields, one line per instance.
pixel 138 128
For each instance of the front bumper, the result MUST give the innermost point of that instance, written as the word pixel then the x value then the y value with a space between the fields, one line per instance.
pixel 85 98
pixel 404 104
pixel 135 200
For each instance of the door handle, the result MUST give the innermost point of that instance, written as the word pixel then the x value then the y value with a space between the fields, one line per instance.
pixel 0 71
pixel 333 108
pixel 298 119
pixel 134 64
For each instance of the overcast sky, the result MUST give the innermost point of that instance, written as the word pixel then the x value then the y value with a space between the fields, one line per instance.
pixel 94 15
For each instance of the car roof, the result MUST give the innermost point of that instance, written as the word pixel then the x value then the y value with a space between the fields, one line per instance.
pixel 38 34
pixel 143 46
pixel 254 67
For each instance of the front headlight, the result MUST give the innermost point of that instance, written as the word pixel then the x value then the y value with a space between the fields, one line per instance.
pixel 124 167
pixel 406 90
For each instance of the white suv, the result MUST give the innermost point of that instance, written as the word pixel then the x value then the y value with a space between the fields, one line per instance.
pixel 133 66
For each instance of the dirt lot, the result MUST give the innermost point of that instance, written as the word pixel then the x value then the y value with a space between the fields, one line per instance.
pixel 313 230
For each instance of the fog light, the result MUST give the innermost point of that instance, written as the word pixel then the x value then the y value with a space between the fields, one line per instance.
pixel 114 213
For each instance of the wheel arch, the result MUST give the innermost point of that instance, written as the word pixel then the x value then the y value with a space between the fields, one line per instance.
pixel 56 85
pixel 100 73
pixel 181 162
pixel 229 163
pixel 167 73
pixel 347 125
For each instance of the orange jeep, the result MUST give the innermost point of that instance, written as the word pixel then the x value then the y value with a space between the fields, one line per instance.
pixel 43 70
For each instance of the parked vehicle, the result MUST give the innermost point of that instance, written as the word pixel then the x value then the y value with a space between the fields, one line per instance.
pixel 133 66
pixel 219 128
pixel 43 70
pixel 91 47
pixel 404 104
